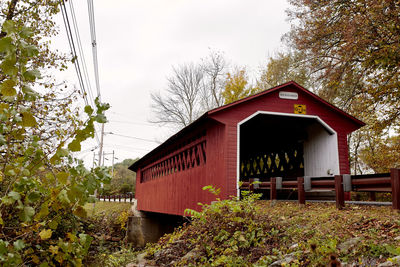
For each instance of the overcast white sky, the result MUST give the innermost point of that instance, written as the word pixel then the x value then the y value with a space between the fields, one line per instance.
pixel 139 42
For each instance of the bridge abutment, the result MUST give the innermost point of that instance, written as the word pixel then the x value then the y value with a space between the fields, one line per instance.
pixel 148 227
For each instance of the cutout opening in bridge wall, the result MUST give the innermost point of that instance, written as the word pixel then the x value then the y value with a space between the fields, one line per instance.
pixel 184 158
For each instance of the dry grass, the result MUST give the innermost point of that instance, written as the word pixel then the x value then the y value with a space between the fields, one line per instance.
pixel 105 208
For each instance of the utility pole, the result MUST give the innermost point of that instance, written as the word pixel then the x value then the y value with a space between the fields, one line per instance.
pixel 101 145
pixel 112 166
pixel 100 152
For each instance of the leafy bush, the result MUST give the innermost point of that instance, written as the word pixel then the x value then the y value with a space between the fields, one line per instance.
pixel 249 232
pixel 43 187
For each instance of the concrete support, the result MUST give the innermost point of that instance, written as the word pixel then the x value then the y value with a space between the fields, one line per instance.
pixel 145 227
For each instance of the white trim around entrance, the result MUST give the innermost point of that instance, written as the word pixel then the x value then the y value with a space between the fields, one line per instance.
pixel 324 124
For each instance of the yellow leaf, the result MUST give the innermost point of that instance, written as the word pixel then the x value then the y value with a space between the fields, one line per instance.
pixel 4 106
pixel 28 120
pixel 62 177
pixel 1 176
pixel 53 249
pixel 35 259
pixel 45 234
pixel 71 237
pixel 79 211
pixel 7 88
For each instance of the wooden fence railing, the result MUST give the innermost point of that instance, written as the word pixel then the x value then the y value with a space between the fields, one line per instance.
pixel 372 183
pixel 117 198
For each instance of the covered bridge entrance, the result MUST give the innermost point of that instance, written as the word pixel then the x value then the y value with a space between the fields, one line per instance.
pixel 285 131
pixel 286 145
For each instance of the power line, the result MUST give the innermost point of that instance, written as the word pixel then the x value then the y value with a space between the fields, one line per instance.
pixel 80 50
pixel 135 123
pixel 82 58
pixel 94 45
pixel 132 137
pixel 73 51
pixel 127 147
pixel 72 47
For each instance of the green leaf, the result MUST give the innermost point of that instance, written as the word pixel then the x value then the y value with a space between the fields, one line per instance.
pixel 26 214
pixel 31 51
pixel 14 195
pixel 53 224
pixel 6 45
pixel 3 247
pixel 33 196
pixel 62 152
pixel 2 140
pixel 9 65
pixel 393 250
pixel 100 118
pixel 74 146
pixel 28 120
pixel 85 240
pixel 19 244
pixel 29 91
pixel 7 88
pixel 7 200
pixel 88 110
pixel 62 177
pixel 44 211
pixel 25 32
pixel 63 197
pixel 45 234
pixel 9 26
pixel 31 75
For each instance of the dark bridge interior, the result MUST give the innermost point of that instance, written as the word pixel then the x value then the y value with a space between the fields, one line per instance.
pixel 272 146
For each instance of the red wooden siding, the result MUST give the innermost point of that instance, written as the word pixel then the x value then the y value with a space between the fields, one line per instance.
pixel 174 182
pixel 171 177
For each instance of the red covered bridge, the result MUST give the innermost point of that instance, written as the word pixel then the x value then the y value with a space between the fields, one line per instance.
pixel 285 131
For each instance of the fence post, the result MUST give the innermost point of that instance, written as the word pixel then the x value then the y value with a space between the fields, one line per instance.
pixel 395 181
pixel 339 191
pixel 130 198
pixel 300 190
pixel 372 196
pixel 272 192
pixel 251 185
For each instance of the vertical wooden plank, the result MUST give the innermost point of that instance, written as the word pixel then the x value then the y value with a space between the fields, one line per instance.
pixel 273 189
pixel 395 180
pixel 372 196
pixel 300 190
pixel 339 191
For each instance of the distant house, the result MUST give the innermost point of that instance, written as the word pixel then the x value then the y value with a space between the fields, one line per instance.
pixel 285 131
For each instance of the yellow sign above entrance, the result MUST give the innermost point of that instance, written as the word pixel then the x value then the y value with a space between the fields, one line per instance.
pixel 300 109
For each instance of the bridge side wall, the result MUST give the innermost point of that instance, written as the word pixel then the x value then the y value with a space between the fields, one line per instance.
pixel 174 183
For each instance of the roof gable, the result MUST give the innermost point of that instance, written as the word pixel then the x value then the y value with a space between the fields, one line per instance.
pixel 296 86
